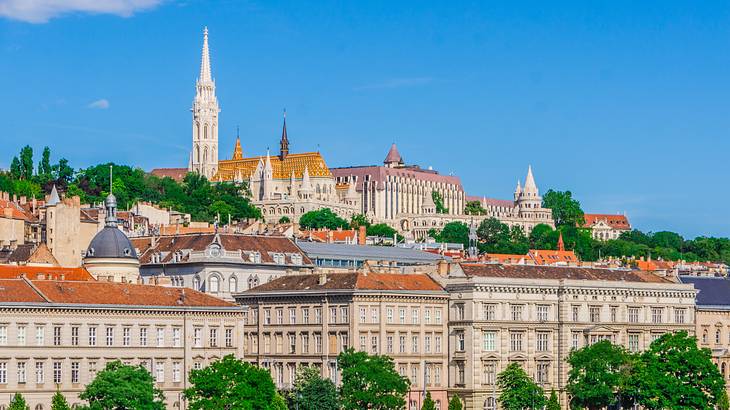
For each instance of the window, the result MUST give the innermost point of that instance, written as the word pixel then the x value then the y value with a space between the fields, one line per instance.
pixel 39 376
pixel 279 316
pixel 542 341
pixel 460 341
pixel 490 403
pixel 542 313
pixel 292 343
pixel 614 314
pixel 401 344
pixel 110 336
pixel 267 316
pixel 415 316
pixel 21 372
pixel 427 344
pixel 92 336
pixel 427 316
pixel 414 374
pixel 333 314
pixel 21 335
pixel 344 314
pixel 40 333
pixel 437 378
pixel 374 315
pixel 718 336
pixel 374 344
pixel 160 337
pixel 489 311
pixel 229 337
pixel 437 343
pixel 75 366
pixel 389 315
pixel 575 342
pixel 344 342
pixel 576 312
pixel 490 372
pixel 363 315
pixel 679 314
pixel 159 372
pixel 389 344
pixel 363 343
pixel 3 372
pixel 460 373
pixel 657 315
pixel 305 315
pixel 542 373
pixel 437 315
pixel 57 335
pixel 198 337
pixel 305 343
pixel 176 372
pixel 213 337
pixel 633 315
pixel 318 315
pixel 414 344
pixel 197 365
pixel 176 340
pixel 143 336
pixel 490 338
pixel 516 312
pixel 595 314
pixel 515 341
pixel 57 372
pixel 126 336
pixel 92 370
pixel 459 311
pixel 214 284
pixel 232 284
pixel 633 342
pixel 292 316
pixel 3 335
pixel 317 343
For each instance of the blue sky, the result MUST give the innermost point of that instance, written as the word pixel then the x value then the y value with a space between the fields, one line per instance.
pixel 625 103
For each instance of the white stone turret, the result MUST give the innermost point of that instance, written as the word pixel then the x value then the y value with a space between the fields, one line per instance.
pixel 429 206
pixel 293 185
pixel 204 155
pixel 518 191
pixel 529 197
pixel 306 189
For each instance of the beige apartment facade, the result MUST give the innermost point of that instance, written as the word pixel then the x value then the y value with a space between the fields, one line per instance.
pixel 59 334
pixel 535 315
pixel 301 320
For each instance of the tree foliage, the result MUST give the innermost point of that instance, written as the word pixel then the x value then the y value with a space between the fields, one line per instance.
pixel 58 402
pixel 566 210
pixel 553 403
pixel 312 392
pixel 474 208
pixel 596 374
pixel 18 402
pixel 439 201
pixel 120 386
pixel 518 390
pixel 230 383
pixel 675 374
pixel 359 220
pixel 370 382
pixel 428 403
pixel 322 218
pixel 383 230
pixel 455 403
pixel 452 232
pixel 497 237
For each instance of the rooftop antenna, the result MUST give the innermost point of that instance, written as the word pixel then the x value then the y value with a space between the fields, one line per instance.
pixel 110 178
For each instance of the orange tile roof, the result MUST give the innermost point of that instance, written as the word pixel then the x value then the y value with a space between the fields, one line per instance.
pixel 614 221
pixel 506 257
pixel 551 257
pixel 9 209
pixel 18 291
pixel 351 281
pixel 559 272
pixel 182 230
pixel 313 161
pixel 338 235
pixel 654 265
pixel 44 272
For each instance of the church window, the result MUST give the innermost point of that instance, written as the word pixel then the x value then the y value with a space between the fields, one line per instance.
pixel 197 153
pixel 232 284
pixel 214 284
pixel 205 155
pixel 205 131
pixel 196 283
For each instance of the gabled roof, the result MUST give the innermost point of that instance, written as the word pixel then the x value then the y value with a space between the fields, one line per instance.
pixel 614 221
pixel 558 272
pixel 713 291
pixel 552 257
pixel 281 169
pixel 353 281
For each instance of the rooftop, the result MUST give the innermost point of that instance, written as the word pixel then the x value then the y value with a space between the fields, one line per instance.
pixel 713 291
pixel 350 281
pixel 44 272
pixel 366 252
pixel 495 270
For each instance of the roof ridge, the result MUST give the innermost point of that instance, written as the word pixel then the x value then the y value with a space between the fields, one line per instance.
pixel 35 289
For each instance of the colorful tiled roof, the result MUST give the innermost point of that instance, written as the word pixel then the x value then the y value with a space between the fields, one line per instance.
pixel 44 272
pixel 558 272
pixel 551 257
pixel 282 169
pixel 614 221
pixel 351 281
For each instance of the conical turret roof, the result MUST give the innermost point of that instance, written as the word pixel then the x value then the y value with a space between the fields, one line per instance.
pixel 393 156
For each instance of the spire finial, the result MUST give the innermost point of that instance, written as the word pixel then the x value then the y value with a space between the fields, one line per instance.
pixel 284 142
pixel 111 184
pixel 205 59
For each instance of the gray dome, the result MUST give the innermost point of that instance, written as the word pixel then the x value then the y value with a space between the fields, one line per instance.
pixel 110 242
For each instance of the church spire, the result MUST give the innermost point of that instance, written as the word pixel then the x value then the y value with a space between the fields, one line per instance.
pixel 561 244
pixel 205 76
pixel 237 150
pixel 530 186
pixel 284 143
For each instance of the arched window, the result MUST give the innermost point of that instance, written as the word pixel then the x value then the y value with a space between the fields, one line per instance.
pixel 214 284
pixel 196 282
pixel 197 130
pixel 490 404
pixel 722 369
pixel 205 131
pixel 205 155
pixel 232 284
pixel 253 281
pixel 717 336
pixel 39 407
pixel 197 153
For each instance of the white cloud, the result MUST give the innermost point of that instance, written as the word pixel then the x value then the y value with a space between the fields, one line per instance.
pixel 102 104
pixel 397 83
pixel 40 11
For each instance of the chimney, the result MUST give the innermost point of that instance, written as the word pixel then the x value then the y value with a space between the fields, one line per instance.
pixel 330 236
pixel 443 268
pixel 23 200
pixel 361 235
pixel 322 279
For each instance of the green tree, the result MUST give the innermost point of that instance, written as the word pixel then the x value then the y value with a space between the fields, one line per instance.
pixel 221 209
pixel 453 232
pixel 492 231
pixel 278 403
pixel 26 162
pixel 120 386
pixel 312 392
pixel 230 383
pixel 676 374
pixel 58 402
pixel 359 220
pixel 543 236
pixel 596 373
pixel 474 208
pixel 723 403
pixel 18 403
pixel 455 403
pixel 62 172
pixel 44 165
pixel 322 218
pixel 439 201
pixel 566 210
pixel 553 403
pixel 370 382
pixel 518 390
pixel 383 230
pixel 428 403
pixel 15 170
pixel 284 220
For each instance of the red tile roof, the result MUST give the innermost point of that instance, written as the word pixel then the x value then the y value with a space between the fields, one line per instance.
pixel 104 293
pixel 614 221
pixel 338 235
pixel 44 272
pixel 551 257
pixel 558 272
pixel 491 202
pixel 11 210
pixel 351 281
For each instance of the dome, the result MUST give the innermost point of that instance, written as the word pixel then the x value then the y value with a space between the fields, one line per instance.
pixel 110 242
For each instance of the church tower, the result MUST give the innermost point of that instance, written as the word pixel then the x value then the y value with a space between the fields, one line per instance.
pixel 204 156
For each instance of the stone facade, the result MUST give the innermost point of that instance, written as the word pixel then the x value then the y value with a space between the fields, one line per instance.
pixel 535 315
pixel 62 341
pixel 309 319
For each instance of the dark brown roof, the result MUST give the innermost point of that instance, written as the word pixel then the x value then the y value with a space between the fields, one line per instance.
pixel 104 293
pixel 351 281
pixel 265 245
pixel 558 272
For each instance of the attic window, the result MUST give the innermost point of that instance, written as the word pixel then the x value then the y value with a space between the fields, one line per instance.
pixel 127 252
pixel 90 252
